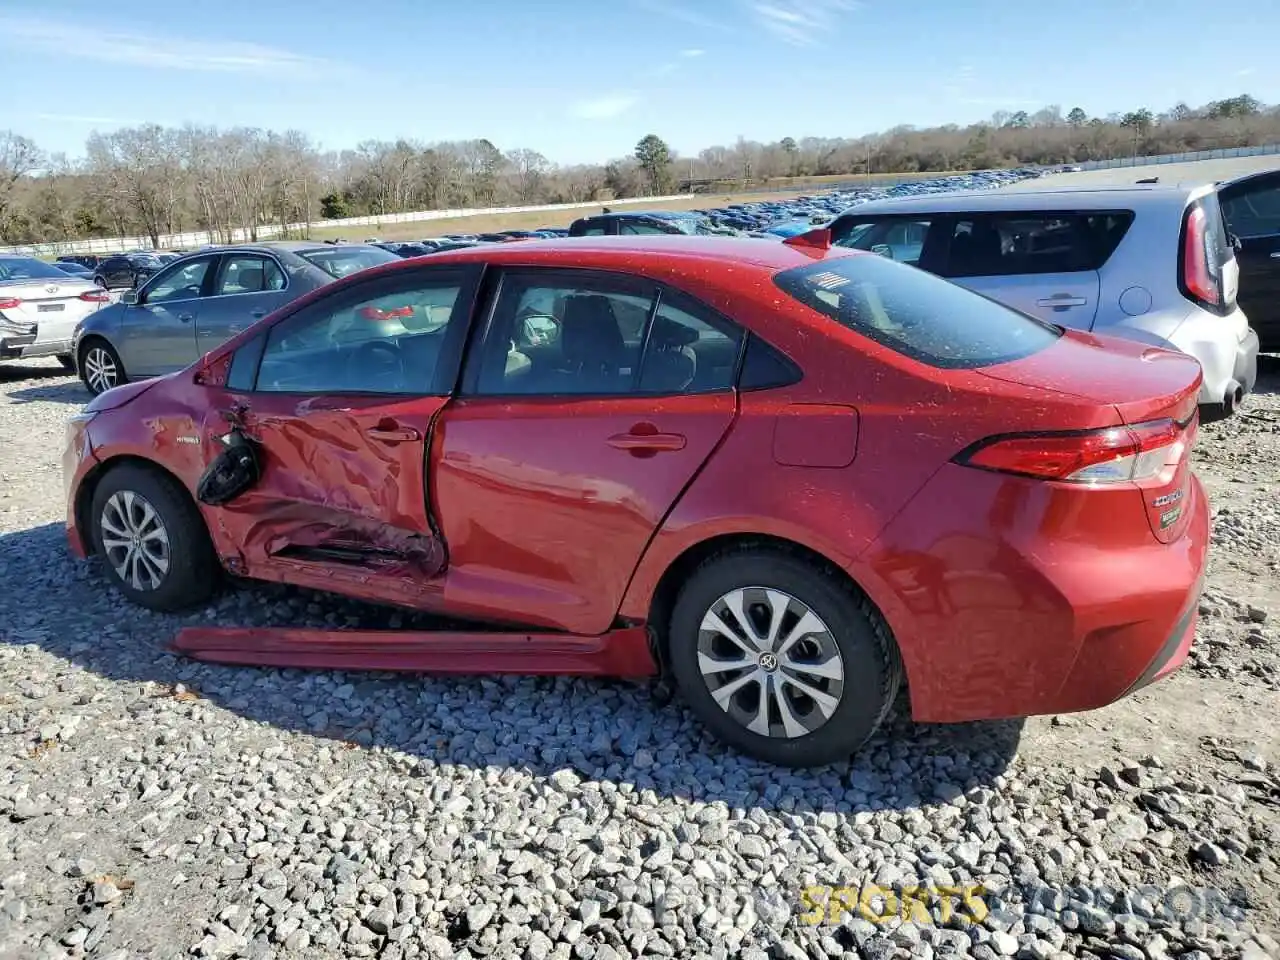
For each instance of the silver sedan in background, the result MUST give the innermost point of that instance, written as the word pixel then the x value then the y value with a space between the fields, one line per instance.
pixel 202 300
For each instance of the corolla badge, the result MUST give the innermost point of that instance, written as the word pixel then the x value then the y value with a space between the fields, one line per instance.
pixel 1167 499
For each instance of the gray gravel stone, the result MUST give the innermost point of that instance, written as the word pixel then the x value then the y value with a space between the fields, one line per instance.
pixel 290 813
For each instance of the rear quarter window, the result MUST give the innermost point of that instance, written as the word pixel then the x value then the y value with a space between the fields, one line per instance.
pixel 915 313
pixel 1018 244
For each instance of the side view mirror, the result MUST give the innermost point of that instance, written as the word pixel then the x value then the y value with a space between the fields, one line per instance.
pixel 883 249
pixel 129 297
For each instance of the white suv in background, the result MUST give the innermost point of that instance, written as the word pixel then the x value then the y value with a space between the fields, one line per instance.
pixel 1150 263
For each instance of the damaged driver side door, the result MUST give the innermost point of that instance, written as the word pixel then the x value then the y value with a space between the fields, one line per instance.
pixel 338 401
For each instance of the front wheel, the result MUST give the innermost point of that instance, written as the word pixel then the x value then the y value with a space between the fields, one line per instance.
pixel 152 540
pixel 781 659
pixel 100 367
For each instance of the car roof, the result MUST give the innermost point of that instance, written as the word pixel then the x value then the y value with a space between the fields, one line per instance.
pixel 1048 198
pixel 297 246
pixel 1246 177
pixel 635 253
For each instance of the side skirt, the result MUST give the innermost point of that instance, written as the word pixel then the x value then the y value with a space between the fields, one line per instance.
pixel 619 653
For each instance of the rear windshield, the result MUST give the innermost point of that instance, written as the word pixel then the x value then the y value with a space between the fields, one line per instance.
pixel 28 268
pixel 341 261
pixel 916 313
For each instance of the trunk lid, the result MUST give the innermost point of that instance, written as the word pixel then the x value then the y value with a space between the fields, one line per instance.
pixel 1155 392
pixel 1142 382
pixel 42 301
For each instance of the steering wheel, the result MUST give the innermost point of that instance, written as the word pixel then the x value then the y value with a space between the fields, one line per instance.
pixel 376 361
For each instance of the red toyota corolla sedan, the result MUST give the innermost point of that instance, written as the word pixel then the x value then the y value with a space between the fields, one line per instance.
pixel 790 477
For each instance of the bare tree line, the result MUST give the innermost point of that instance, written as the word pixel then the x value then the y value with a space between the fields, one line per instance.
pixel 152 180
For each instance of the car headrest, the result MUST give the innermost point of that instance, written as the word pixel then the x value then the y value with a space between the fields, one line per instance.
pixel 668 333
pixel 251 278
pixel 589 331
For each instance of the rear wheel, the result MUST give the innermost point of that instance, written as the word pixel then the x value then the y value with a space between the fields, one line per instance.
pixel 152 540
pixel 781 659
pixel 100 367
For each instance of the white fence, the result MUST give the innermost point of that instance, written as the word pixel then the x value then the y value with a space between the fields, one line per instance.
pixel 267 231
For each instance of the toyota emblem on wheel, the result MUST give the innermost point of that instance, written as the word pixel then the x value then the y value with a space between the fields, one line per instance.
pixel 769 662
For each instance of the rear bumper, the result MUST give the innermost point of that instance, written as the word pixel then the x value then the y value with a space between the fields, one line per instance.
pixel 1033 601
pixel 12 344
pixel 1246 369
pixel 47 348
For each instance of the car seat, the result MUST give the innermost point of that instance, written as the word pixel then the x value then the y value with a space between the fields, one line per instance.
pixel 592 345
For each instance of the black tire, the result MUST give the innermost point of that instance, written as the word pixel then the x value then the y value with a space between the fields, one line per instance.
pixel 86 366
pixel 68 362
pixel 872 671
pixel 192 574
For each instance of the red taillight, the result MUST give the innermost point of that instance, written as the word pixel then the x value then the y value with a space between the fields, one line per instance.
pixel 1196 276
pixel 377 313
pixel 10 303
pixel 96 296
pixel 1113 455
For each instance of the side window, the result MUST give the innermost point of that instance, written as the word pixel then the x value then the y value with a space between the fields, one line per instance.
pixel 1254 213
pixel 245 273
pixel 1020 244
pixel 687 351
pixel 389 341
pixel 896 238
pixel 764 368
pixel 180 282
pixel 601 335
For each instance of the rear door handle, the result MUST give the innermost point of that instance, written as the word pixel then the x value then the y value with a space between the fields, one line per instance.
pixel 390 434
pixel 1275 255
pixel 186 317
pixel 1062 300
pixel 647 442
pixel 257 314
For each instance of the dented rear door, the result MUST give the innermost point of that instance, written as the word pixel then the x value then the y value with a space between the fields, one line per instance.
pixel 340 399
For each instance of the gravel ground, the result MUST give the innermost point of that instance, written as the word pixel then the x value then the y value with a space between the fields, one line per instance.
pixel 154 807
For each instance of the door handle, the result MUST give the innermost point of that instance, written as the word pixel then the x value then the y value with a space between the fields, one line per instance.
pixel 1060 300
pixel 1275 255
pixel 257 314
pixel 393 434
pixel 186 317
pixel 643 443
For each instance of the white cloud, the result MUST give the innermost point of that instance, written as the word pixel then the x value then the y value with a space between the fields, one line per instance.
pixel 1245 72
pixel 64 38
pixel 685 14
pixel 800 23
pixel 604 108
pixel 692 52
pixel 663 70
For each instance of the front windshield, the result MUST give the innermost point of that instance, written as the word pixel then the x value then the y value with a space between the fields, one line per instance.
pixel 344 261
pixel 28 268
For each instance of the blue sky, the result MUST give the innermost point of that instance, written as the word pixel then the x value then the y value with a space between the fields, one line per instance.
pixel 583 80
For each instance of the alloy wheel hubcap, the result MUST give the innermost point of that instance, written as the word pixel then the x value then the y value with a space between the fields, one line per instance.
pixel 770 662
pixel 100 370
pixel 135 540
